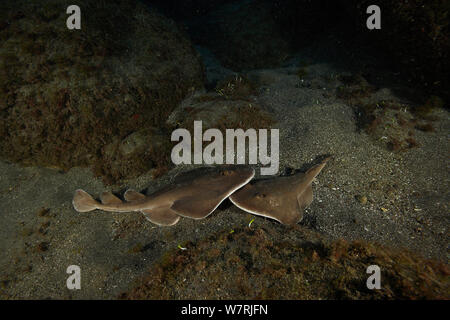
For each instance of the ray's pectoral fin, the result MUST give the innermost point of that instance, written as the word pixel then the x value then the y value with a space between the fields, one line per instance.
pixel 107 198
pixel 304 199
pixel 131 195
pixel 162 216
pixel 195 207
pixel 291 213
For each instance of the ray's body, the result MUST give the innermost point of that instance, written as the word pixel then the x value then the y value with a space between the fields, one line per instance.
pixel 280 198
pixel 195 194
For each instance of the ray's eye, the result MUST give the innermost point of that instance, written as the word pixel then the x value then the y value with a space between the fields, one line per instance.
pixel 260 195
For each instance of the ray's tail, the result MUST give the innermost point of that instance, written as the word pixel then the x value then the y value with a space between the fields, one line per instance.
pixel 83 201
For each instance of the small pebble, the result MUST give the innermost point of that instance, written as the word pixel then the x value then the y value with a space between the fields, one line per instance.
pixel 42 247
pixel 361 199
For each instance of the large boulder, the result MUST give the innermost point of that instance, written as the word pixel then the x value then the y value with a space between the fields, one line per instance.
pixel 67 96
pixel 232 105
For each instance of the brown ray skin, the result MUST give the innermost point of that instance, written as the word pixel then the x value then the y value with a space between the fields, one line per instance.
pixel 107 198
pixel 131 195
pixel 214 190
pixel 197 193
pixel 163 216
pixel 280 198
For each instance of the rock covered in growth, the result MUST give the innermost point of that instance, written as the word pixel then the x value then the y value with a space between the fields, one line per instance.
pixel 216 112
pixel 250 264
pixel 231 105
pixel 68 96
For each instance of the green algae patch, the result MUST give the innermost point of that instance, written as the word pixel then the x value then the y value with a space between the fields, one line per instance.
pixel 67 97
pixel 250 264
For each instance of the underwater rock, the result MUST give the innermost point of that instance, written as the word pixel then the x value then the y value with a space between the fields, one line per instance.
pixel 133 143
pixel 65 94
pixel 210 112
pixel 215 111
pixel 282 269
pixel 141 140
pixel 231 105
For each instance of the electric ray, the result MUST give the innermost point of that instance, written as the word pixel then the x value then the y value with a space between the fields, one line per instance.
pixel 280 198
pixel 195 194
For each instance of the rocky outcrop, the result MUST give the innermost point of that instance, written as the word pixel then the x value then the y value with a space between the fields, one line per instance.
pixel 65 95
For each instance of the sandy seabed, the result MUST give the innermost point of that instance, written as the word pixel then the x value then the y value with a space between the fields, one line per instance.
pixel 367 192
